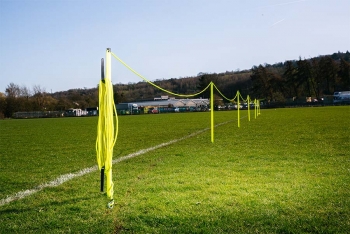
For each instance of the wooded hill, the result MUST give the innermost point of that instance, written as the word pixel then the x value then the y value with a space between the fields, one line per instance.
pixel 313 77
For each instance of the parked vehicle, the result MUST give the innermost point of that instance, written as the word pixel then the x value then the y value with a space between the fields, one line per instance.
pixel 127 108
pixel 236 106
pixel 153 110
pixel 341 97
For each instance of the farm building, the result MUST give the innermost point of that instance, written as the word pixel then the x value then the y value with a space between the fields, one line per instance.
pixel 163 105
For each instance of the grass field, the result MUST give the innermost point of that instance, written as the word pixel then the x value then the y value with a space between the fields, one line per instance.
pixel 288 171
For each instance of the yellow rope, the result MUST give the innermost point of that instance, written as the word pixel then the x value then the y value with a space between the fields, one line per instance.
pixel 222 95
pixel 106 135
pixel 175 94
pixel 211 85
pixel 244 100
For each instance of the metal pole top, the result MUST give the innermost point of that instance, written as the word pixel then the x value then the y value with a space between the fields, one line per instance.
pixel 102 70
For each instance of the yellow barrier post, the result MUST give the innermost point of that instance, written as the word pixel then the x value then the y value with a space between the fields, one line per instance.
pixel 102 177
pixel 238 107
pixel 255 108
pixel 105 129
pixel 248 103
pixel 212 111
pixel 110 187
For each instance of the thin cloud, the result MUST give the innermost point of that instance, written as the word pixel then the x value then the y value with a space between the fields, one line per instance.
pixel 274 24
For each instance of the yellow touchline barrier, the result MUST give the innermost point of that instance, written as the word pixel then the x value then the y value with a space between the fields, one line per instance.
pixel 212 86
pixel 107 132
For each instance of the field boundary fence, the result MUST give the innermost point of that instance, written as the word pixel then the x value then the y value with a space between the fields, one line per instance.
pixel 38 114
pixel 107 127
pixel 237 100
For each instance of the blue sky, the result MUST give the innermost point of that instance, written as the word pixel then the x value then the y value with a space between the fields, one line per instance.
pixel 59 44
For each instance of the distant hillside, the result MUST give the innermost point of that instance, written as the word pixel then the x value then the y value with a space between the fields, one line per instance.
pixel 228 82
pixel 311 77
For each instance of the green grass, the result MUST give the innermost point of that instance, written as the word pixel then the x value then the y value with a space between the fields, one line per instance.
pixel 288 171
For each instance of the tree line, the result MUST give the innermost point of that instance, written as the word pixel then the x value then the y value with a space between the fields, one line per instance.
pixel 314 77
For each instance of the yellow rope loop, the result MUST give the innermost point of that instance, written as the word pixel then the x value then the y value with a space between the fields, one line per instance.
pixel 151 83
pixel 244 100
pixel 230 100
pixel 222 95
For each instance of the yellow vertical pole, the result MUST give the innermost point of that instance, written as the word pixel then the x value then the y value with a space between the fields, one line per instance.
pixel 212 111
pixel 102 175
pixel 110 138
pixel 255 107
pixel 238 107
pixel 248 103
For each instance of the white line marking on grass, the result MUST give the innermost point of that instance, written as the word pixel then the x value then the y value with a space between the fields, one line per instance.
pixel 66 177
pixel 58 181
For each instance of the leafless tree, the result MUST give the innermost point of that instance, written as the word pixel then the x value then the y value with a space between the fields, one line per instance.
pixel 13 91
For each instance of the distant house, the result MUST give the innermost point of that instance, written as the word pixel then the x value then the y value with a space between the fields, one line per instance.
pixel 75 112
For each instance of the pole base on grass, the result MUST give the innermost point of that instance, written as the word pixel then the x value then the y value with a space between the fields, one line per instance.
pixel 102 178
pixel 110 204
